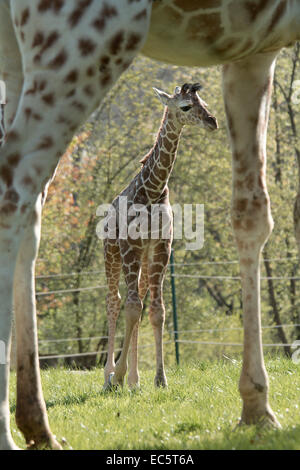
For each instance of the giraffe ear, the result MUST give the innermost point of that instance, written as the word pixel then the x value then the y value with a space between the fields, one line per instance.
pixel 164 97
pixel 203 102
pixel 177 90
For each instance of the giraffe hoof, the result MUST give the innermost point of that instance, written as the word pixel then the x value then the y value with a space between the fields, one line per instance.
pixel 109 385
pixel 266 421
pixel 134 386
pixel 110 378
pixel 47 443
pixel 160 382
pixel 269 422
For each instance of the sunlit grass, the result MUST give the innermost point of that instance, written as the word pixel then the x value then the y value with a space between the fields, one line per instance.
pixel 199 410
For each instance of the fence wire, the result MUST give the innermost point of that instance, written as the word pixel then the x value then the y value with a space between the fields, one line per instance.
pixel 66 276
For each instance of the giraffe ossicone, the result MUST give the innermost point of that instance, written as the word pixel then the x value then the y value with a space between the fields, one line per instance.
pixel 58 59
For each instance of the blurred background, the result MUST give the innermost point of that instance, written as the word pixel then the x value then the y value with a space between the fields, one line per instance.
pixel 101 161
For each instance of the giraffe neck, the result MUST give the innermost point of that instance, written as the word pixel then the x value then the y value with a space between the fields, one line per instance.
pixel 160 160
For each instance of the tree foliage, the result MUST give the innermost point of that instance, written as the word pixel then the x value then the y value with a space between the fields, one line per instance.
pixel 101 161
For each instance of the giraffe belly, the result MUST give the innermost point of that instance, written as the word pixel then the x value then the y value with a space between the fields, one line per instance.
pixel 188 33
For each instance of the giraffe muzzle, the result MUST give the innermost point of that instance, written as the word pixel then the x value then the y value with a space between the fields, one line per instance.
pixel 211 123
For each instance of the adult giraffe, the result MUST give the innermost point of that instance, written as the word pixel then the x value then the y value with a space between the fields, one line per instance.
pixel 58 59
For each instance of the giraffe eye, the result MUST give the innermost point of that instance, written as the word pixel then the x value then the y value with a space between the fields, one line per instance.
pixel 186 108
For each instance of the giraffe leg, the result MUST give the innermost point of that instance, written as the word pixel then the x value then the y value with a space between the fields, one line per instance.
pixel 9 58
pixel 296 213
pixel 133 378
pixel 31 413
pixel 157 269
pixel 31 416
pixel 64 81
pixel 131 262
pixel 247 92
pixel 8 248
pixel 133 374
pixel 113 301
pixel 26 165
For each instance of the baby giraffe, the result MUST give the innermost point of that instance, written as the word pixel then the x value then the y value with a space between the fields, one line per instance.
pixel 144 253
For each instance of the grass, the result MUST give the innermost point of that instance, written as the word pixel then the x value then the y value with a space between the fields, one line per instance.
pixel 199 410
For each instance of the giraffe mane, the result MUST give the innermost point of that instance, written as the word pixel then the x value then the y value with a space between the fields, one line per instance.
pixel 144 160
pixel 146 157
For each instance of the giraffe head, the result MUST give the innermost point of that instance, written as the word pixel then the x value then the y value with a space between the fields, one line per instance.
pixel 187 107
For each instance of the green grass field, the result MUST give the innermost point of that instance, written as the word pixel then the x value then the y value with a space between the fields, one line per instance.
pixel 199 410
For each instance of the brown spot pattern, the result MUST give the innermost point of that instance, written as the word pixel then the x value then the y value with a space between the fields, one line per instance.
pixel 48 99
pixel 59 60
pixel 13 159
pixel 133 41
pixel 24 17
pixel 107 12
pixel 250 224
pixel 79 11
pixel 12 196
pixel 24 208
pixel 88 90
pixel 27 112
pixel 241 204
pixel 8 208
pixel 27 181
pixel 71 93
pixel 277 15
pixel 254 9
pixel 116 42
pixel 78 105
pixel 104 61
pixel 86 46
pixel 6 175
pixel 90 72
pixel 54 5
pixel 209 24
pixel 141 15
pixel 72 76
pixel 12 135
pixel 50 41
pixel 38 39
pixel 45 143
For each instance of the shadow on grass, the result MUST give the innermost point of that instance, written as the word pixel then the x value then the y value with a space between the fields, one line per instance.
pixel 248 438
pixel 81 398
pixel 66 400
pixel 255 438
